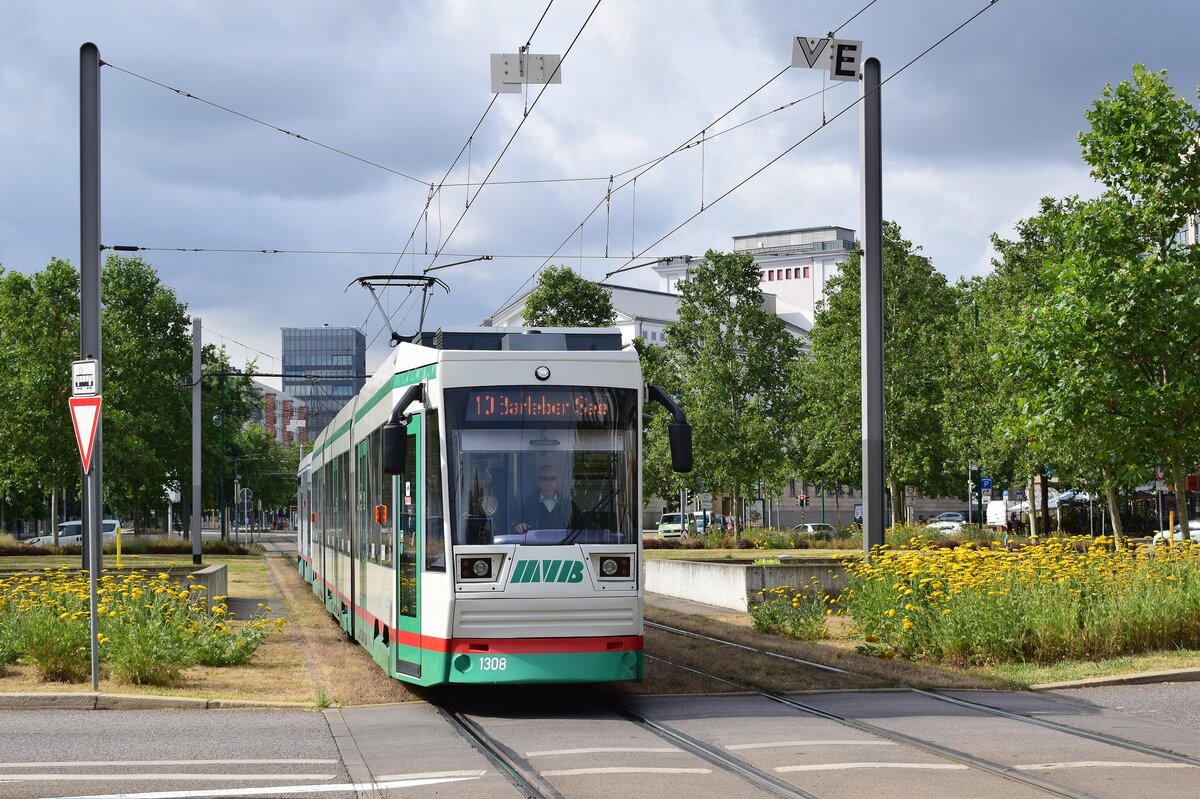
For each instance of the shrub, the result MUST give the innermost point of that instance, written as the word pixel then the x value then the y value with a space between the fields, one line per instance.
pixel 150 628
pixel 1075 598
pixel 796 614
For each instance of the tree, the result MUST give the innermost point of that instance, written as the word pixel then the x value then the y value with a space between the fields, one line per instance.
pixel 562 298
pixel 733 362
pixel 919 310
pixel 1113 345
pixel 227 401
pixel 147 361
pixel 39 338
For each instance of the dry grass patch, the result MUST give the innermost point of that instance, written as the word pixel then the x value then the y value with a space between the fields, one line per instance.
pixel 342 673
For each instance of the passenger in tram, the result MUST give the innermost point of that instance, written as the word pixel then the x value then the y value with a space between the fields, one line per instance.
pixel 549 509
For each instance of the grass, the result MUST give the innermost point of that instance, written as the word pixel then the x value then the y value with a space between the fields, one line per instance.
pixel 1028 674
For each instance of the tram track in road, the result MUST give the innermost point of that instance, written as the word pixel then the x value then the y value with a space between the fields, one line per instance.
pixel 931 747
pixel 515 768
pixel 941 696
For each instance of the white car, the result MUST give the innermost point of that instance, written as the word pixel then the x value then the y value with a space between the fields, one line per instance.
pixel 1193 529
pixel 944 527
pixel 819 529
pixel 72 533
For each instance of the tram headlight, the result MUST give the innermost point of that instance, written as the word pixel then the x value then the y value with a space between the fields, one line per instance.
pixel 614 567
pixel 475 568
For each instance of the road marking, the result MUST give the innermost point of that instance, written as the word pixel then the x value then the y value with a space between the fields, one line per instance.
pixel 158 775
pixel 359 787
pixel 654 749
pixel 573 772
pixel 849 766
pixel 96 763
pixel 1098 763
pixel 734 747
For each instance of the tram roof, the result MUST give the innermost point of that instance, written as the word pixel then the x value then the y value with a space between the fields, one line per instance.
pixel 523 339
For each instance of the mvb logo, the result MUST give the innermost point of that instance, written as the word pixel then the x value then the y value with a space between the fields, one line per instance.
pixel 548 571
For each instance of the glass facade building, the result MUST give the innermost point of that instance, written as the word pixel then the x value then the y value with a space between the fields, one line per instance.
pixel 323 367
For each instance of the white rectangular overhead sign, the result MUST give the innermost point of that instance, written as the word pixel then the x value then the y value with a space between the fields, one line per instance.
pixel 83 378
pixel 511 70
pixel 841 57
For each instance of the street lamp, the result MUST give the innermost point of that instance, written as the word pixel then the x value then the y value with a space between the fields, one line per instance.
pixel 219 421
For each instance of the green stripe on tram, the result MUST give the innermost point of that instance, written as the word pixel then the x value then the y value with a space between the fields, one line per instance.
pixel 571 667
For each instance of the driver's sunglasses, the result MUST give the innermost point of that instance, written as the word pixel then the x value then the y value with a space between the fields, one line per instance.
pixel 547 479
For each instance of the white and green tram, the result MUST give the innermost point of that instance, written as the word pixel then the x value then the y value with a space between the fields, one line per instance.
pixel 472 515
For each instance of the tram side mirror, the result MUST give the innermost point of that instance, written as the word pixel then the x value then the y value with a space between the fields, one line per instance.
pixel 394 443
pixel 680 434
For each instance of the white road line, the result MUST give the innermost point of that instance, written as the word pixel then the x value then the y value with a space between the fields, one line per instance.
pixel 1098 764
pixel 734 747
pixel 157 775
pixel 358 787
pixel 572 772
pixel 671 750
pixel 850 766
pixel 118 763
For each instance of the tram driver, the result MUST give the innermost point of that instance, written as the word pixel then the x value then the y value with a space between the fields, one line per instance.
pixel 549 509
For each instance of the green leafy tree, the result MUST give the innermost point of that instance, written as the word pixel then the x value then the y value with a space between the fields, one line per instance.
pixel 267 467
pixel 733 362
pixel 147 360
pixel 1113 345
pixel 919 309
pixel 563 298
pixel 39 337
pixel 228 401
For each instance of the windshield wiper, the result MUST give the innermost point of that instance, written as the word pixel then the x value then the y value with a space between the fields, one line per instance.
pixel 574 532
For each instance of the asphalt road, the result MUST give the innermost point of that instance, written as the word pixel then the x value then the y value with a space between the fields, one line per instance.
pixel 578 745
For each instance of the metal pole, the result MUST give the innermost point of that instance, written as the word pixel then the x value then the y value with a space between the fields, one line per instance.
pixel 872 309
pixel 221 379
pixel 89 315
pixel 197 531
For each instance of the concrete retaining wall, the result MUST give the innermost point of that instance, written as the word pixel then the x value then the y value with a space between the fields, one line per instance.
pixel 215 580
pixel 731 584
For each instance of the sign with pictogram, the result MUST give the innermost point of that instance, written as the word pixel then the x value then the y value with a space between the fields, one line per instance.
pixel 85 417
pixel 840 57
pixel 83 378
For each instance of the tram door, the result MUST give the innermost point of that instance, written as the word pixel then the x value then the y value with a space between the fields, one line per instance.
pixel 408 520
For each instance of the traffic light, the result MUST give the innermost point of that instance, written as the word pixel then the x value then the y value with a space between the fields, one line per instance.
pixel 803 500
pixel 688 494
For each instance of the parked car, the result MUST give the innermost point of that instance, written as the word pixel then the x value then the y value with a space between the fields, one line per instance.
pixel 945 527
pixel 701 519
pixel 949 516
pixel 818 529
pixel 1177 534
pixel 671 525
pixel 72 533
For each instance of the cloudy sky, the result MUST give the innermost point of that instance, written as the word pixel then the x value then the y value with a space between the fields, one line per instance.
pixel 975 132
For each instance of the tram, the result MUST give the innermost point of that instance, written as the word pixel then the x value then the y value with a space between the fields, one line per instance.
pixel 472 515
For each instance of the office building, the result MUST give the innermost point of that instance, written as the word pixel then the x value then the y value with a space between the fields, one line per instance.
pixel 324 367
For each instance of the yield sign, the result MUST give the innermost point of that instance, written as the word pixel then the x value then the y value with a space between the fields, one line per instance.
pixel 85 416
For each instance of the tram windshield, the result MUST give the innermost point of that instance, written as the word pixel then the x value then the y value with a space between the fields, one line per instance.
pixel 542 465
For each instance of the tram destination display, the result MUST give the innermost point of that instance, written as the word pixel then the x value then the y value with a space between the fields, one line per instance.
pixel 539 405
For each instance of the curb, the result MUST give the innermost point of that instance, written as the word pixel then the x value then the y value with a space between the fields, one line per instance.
pixel 49 701
pixel 1145 678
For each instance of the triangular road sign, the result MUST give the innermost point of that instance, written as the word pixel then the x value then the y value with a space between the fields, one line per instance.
pixel 85 416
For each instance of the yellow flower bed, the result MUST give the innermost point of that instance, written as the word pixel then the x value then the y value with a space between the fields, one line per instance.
pixel 149 626
pixel 1066 598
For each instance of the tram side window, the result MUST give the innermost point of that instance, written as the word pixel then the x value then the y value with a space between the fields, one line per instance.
pixel 363 503
pixel 344 498
pixel 387 531
pixel 408 528
pixel 318 505
pixel 435 541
